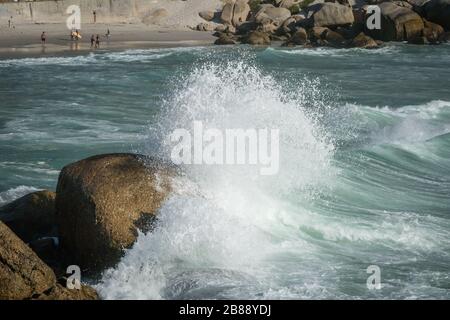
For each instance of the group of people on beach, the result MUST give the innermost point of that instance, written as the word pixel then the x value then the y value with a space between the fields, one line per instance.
pixel 75 35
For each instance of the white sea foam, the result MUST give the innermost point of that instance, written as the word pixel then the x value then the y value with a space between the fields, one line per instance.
pixel 239 235
pixel 230 225
pixel 14 193
pixel 333 52
pixel 408 124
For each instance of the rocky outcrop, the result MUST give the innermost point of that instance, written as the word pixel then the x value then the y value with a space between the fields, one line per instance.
pixel 24 276
pixel 331 15
pixel 31 217
pixel 60 292
pixel 102 201
pixel 343 20
pixel 398 23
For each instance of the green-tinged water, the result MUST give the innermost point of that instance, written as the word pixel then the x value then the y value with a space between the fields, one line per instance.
pixel 364 174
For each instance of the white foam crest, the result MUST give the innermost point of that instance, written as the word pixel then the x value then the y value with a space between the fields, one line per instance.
pixel 407 124
pixel 15 193
pixel 334 52
pixel 44 61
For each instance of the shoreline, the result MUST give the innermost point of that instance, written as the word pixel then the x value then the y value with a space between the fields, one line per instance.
pixel 24 40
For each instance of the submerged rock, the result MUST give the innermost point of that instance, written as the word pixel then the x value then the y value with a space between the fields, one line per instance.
pixel 102 201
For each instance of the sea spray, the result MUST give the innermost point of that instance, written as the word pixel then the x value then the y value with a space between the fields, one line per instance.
pixel 223 239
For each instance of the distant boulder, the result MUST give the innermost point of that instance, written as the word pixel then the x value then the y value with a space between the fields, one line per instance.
pixel 433 32
pixel 205 26
pixel 438 11
pixel 397 23
pixel 363 41
pixel 225 39
pixel 257 38
pixel 207 15
pixel 227 12
pixel 300 37
pixel 331 14
pixel 240 12
pixel 276 15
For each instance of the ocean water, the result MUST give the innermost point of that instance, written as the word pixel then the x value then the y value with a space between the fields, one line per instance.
pixel 364 175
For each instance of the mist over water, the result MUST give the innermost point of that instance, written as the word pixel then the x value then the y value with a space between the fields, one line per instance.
pixel 363 177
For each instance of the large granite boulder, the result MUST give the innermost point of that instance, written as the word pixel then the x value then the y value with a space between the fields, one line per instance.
pixel 101 203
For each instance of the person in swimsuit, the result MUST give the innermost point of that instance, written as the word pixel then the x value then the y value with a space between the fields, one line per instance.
pixel 43 37
pixel 97 41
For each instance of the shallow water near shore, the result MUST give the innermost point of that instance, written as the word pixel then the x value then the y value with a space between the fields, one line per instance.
pixel 364 164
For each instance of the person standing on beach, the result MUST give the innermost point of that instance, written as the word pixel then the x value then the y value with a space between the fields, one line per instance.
pixel 92 41
pixel 10 23
pixel 43 37
pixel 97 41
pixel 95 16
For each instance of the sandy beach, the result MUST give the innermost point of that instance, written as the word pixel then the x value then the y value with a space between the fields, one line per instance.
pixel 24 39
pixel 132 24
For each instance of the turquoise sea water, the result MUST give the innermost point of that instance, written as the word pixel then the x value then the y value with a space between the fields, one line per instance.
pixel 364 174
